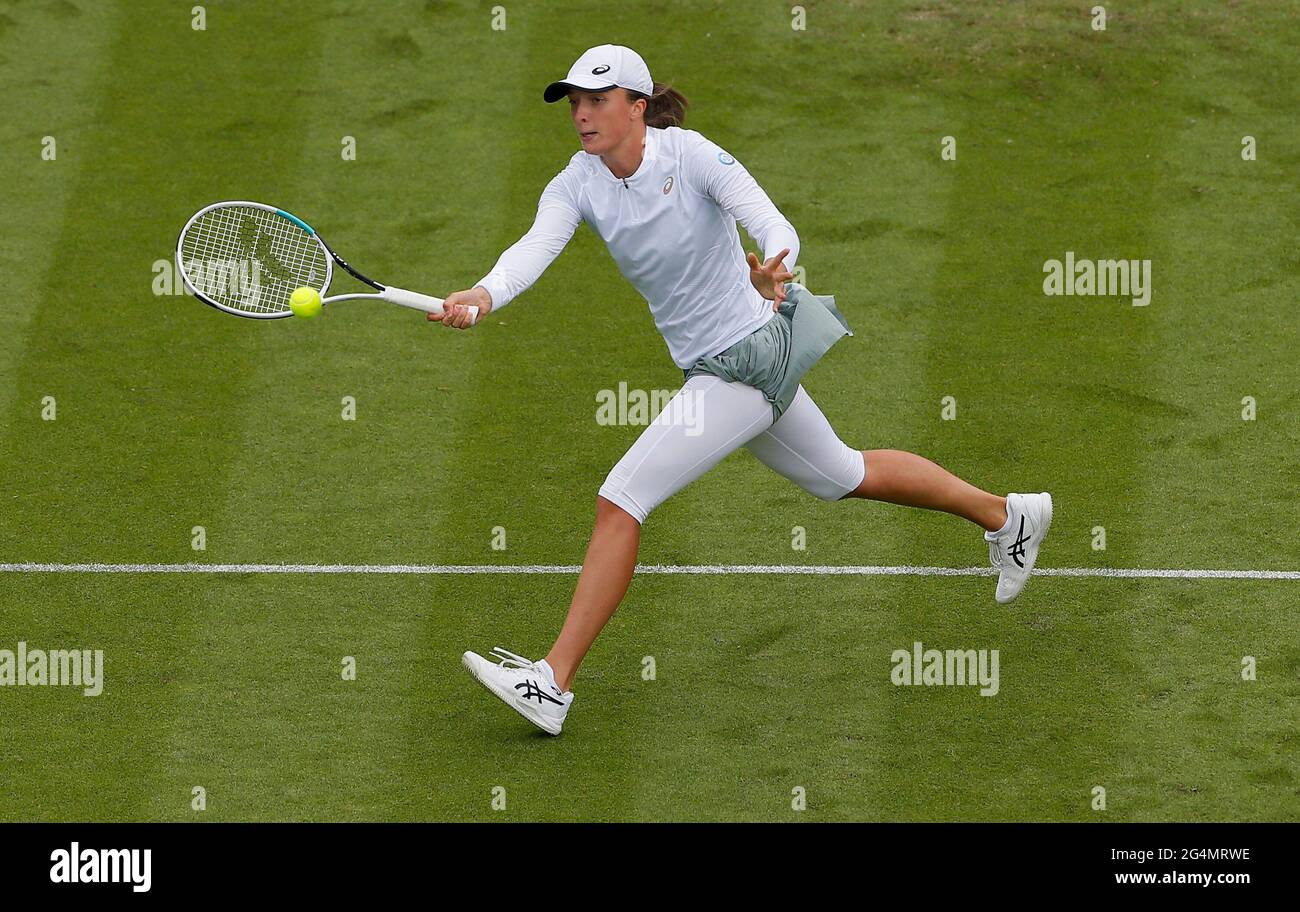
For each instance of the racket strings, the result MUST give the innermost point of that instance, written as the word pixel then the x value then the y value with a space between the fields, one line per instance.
pixel 250 259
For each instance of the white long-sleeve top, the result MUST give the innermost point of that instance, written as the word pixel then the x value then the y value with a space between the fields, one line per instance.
pixel 671 228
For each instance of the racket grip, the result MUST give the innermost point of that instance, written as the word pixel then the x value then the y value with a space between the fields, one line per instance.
pixel 417 301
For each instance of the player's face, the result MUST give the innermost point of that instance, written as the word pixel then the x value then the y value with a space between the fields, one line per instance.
pixel 603 119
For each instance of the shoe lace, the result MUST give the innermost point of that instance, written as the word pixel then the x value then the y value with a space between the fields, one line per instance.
pixel 995 553
pixel 510 660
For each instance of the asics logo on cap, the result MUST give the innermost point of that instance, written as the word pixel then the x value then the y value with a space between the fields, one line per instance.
pixel 602 67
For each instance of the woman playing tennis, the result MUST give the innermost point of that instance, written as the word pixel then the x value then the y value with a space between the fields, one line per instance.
pixel 666 202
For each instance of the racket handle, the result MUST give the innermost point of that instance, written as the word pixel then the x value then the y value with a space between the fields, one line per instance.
pixel 417 301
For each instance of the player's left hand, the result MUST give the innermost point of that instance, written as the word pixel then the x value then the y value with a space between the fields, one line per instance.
pixel 770 277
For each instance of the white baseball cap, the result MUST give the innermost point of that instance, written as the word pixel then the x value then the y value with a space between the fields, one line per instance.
pixel 604 67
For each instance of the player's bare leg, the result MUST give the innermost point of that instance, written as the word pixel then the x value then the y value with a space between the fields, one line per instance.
pixel 606 574
pixel 898 477
pixel 1015 525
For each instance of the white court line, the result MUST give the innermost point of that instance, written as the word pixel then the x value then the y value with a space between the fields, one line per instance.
pixel 708 570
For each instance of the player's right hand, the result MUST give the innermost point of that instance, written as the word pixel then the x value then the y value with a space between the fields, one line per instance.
pixel 455 307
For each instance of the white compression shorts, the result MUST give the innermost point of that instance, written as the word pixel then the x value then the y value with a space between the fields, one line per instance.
pixel 709 418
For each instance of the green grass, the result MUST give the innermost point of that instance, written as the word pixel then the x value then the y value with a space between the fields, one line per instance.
pixel 1122 143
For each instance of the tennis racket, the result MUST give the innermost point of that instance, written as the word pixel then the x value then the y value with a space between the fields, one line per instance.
pixel 247 258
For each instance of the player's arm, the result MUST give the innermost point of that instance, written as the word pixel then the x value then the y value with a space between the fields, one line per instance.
pixel 523 262
pixel 714 172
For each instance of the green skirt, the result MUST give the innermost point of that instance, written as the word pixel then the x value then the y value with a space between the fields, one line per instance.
pixel 774 357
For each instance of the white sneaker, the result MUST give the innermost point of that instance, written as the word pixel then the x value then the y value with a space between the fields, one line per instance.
pixel 528 688
pixel 1013 549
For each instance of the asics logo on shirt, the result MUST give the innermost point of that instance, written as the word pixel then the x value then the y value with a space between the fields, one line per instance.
pixel 532 691
pixel 668 186
pixel 1017 550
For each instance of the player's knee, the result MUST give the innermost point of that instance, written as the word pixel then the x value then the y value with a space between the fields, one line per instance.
pixel 615 496
pixel 826 491
pixel 843 477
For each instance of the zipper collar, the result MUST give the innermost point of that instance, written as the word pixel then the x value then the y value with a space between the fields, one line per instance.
pixel 648 151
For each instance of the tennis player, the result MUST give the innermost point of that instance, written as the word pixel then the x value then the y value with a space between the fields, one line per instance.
pixel 666 201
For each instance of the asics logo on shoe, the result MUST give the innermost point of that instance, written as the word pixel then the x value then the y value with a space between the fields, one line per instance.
pixel 532 691
pixel 1017 550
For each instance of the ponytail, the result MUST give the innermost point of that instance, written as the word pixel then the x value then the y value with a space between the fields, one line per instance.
pixel 665 108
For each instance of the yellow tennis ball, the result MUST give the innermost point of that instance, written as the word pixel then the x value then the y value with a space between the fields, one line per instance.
pixel 305 302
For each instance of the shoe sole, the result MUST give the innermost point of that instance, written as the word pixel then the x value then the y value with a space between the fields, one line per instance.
pixel 506 698
pixel 1029 568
